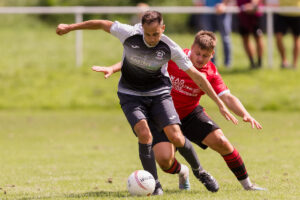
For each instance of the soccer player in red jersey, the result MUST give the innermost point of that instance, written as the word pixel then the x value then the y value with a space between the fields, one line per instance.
pixel 144 87
pixel 196 125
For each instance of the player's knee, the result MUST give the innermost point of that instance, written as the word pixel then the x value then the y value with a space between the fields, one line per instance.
pixel 177 139
pixel 222 144
pixel 165 162
pixel 175 135
pixel 144 134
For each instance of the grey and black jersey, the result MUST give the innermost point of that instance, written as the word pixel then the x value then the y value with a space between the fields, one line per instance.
pixel 144 68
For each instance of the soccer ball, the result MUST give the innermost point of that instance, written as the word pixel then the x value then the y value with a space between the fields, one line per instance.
pixel 140 183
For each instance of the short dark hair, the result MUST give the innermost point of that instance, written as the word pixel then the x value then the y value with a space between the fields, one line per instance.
pixel 206 40
pixel 151 16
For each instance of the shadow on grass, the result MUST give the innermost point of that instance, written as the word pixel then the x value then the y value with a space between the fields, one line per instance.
pixel 103 194
pixel 119 194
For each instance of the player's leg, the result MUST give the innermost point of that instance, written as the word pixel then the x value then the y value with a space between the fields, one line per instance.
pixel 294 23
pixel 165 116
pixel 204 132
pixel 164 152
pixel 295 26
pixel 245 30
pixel 165 156
pixel 217 141
pixel 136 113
pixel 258 36
pixel 249 49
pixel 296 50
pixel 280 28
pixel 224 26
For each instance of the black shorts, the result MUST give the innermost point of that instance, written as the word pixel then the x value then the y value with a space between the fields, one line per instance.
pixel 283 23
pixel 158 109
pixel 197 125
pixel 158 136
pixel 250 24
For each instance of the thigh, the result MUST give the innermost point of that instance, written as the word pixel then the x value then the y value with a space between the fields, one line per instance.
pixel 197 125
pixel 224 24
pixel 217 141
pixel 158 136
pixel 294 23
pixel 207 22
pixel 164 152
pixel 257 26
pixel 133 108
pixel 280 26
pixel 163 112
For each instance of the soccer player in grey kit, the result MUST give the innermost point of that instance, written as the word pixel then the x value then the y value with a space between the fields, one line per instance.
pixel 144 88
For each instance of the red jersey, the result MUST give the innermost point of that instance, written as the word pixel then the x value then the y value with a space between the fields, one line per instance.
pixel 185 93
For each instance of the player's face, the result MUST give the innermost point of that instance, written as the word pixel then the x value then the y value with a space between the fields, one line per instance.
pixel 153 32
pixel 200 57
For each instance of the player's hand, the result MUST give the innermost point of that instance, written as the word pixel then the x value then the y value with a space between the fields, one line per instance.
pixel 249 8
pixel 106 70
pixel 220 8
pixel 224 111
pixel 62 29
pixel 252 121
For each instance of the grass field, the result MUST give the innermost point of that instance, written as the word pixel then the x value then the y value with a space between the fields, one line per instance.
pixel 72 154
pixel 62 134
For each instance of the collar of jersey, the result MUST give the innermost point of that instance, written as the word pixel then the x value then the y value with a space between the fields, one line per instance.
pixel 148 44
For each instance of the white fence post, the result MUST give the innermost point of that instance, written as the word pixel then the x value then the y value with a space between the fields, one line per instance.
pixel 78 45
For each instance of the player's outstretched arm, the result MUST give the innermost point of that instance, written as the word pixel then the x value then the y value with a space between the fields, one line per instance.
pixel 90 24
pixel 234 104
pixel 108 71
pixel 205 86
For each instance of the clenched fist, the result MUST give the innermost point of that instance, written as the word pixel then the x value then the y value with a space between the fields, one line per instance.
pixel 62 29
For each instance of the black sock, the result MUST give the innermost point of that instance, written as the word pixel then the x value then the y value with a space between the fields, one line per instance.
pixel 252 64
pixel 189 154
pixel 259 62
pixel 148 160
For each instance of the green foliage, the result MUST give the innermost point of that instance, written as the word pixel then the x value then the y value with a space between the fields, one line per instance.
pixel 72 154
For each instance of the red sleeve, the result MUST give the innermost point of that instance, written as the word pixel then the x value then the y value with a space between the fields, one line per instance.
pixel 217 82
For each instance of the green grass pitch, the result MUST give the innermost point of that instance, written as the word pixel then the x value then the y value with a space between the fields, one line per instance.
pixel 73 154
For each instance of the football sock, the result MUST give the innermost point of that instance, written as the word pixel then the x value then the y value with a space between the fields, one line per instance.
pixel 236 165
pixel 175 168
pixel 148 159
pixel 189 154
pixel 246 183
pixel 259 62
pixel 252 64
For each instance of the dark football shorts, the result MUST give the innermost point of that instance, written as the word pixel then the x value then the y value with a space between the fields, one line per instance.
pixel 283 23
pixel 196 126
pixel 250 24
pixel 158 109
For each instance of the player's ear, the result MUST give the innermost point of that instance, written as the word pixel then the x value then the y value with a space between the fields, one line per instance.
pixel 163 27
pixel 212 54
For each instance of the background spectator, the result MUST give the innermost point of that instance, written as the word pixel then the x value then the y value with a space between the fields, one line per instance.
pixel 250 22
pixel 137 18
pixel 221 22
pixel 284 22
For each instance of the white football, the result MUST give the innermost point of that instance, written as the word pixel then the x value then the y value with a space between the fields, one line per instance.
pixel 140 183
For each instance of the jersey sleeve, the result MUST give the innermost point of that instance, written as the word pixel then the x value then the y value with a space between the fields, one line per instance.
pixel 123 31
pixel 177 54
pixel 218 84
